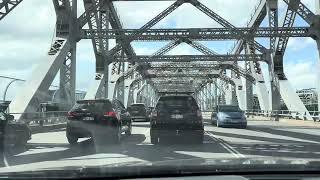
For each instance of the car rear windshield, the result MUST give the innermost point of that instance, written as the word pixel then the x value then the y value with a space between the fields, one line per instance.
pixel 136 107
pixel 177 102
pixel 229 109
pixel 93 106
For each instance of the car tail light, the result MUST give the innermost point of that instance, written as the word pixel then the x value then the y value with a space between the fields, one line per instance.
pixel 110 114
pixel 71 114
pixel 127 113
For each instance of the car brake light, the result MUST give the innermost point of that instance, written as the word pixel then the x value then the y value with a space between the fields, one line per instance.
pixel 71 114
pixel 127 113
pixel 110 114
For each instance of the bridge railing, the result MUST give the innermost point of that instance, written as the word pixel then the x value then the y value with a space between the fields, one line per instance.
pixel 298 115
pixel 42 118
pixel 274 115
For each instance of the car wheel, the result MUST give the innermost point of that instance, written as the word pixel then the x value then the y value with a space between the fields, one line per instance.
pixel 129 131
pixel 243 127
pixel 72 139
pixel 21 143
pixel 200 139
pixel 154 139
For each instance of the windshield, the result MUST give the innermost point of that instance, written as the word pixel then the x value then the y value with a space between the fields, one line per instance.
pixel 137 107
pixel 114 87
pixel 229 109
pixel 176 102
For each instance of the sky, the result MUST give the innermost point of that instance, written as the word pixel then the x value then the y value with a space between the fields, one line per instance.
pixel 26 35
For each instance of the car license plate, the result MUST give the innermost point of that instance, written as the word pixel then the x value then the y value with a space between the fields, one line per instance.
pixel 177 116
pixel 88 118
pixel 135 111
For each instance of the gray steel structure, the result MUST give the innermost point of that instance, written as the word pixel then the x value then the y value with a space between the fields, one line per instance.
pixel 122 74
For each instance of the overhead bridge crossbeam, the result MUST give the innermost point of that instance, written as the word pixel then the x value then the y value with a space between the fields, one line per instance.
pixel 200 34
pixel 190 58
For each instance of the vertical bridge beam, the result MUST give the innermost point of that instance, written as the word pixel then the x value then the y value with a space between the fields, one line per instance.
pixel 318 45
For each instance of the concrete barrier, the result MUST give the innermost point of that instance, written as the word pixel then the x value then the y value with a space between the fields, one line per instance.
pixel 296 122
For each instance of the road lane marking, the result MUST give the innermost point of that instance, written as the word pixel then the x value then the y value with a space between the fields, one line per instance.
pixel 5 161
pixel 225 145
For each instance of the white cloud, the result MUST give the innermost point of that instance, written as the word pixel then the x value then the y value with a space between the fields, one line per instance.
pixel 296 44
pixel 301 74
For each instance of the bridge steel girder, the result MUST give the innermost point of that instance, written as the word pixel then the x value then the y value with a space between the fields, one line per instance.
pixel 190 58
pixel 224 23
pixel 272 8
pixel 200 34
pixel 279 81
pixel 253 24
pixel 152 22
pixel 96 19
pixel 68 68
pixel 147 26
pixel 6 6
pixel 160 52
pixel 317 5
pixel 63 44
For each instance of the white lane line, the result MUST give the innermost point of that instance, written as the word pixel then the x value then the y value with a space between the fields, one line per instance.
pixel 5 161
pixel 147 140
pixel 226 146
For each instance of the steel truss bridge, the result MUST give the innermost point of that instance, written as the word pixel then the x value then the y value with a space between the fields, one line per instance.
pixel 140 78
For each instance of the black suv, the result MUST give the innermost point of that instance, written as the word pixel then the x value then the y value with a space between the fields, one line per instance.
pixel 138 111
pixel 102 117
pixel 176 115
pixel 13 132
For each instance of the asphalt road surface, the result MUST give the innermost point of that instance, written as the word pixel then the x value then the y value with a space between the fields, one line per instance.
pixel 260 139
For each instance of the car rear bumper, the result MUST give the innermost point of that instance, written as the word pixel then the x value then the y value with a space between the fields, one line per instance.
pixel 177 132
pixel 87 129
pixel 233 124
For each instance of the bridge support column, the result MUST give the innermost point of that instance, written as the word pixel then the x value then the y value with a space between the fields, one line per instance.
pixel 286 91
pixel 215 93
pixel 68 68
pixel 234 99
pixel 318 69
pixel 274 85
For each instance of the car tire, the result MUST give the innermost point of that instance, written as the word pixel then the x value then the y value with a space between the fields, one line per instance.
pixel 243 127
pixel 154 139
pixel 73 140
pixel 129 131
pixel 200 139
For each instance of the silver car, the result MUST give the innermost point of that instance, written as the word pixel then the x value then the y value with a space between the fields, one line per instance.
pixel 228 116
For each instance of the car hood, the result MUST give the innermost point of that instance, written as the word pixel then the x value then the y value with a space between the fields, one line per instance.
pixel 176 167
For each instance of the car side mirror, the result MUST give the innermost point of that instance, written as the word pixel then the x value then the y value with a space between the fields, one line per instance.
pixel 10 117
